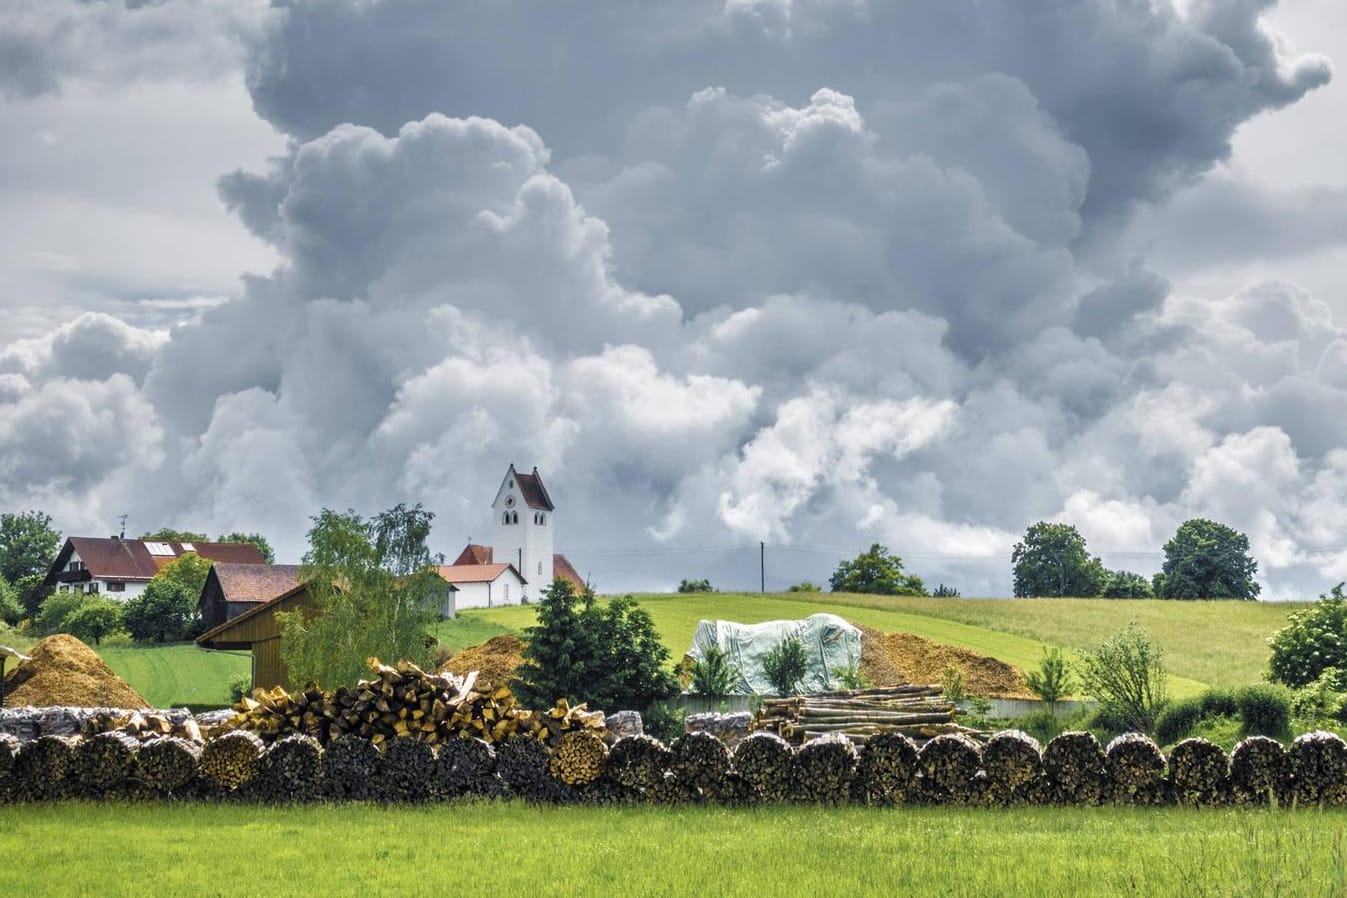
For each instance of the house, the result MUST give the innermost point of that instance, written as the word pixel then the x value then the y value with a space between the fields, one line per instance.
pixel 523 529
pixel 258 631
pixel 121 568
pixel 483 585
pixel 232 588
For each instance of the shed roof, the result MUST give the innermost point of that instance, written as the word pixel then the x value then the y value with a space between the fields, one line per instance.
pixel 235 632
pixel 254 582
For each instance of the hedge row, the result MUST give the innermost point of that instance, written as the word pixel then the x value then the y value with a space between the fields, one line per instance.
pixel 696 768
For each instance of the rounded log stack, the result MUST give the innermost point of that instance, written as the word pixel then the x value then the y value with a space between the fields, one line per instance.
pixel 1259 771
pixel 290 771
pixel 639 762
pixel 1199 772
pixel 42 769
pixel 579 758
pixel 230 760
pixel 103 765
pixel 350 764
pixel 166 767
pixel 948 765
pixel 1074 765
pixel 886 769
pixel 1013 761
pixel 767 764
pixel 700 760
pixel 405 773
pixel 1318 764
pixel 467 767
pixel 1136 770
pixel 825 768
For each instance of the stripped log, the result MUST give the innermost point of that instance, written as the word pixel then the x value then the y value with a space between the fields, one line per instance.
pixel 919 712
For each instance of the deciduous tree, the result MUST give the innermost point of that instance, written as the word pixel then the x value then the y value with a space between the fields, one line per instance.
pixel 1207 560
pixel 28 546
pixel 1052 560
pixel 255 539
pixel 876 571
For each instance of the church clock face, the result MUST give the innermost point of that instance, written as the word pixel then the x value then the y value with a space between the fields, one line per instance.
pixel 509 501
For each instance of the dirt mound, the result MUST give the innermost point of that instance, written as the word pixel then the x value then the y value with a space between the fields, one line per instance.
pixel 496 658
pixel 919 660
pixel 65 671
pixel 876 665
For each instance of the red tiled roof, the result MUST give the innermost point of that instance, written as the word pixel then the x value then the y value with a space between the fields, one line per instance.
pixel 476 573
pixel 474 554
pixel 219 637
pixel 532 489
pixel 561 567
pixel 129 559
pixel 254 582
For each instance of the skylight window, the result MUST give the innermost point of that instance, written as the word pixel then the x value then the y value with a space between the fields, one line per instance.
pixel 188 547
pixel 162 549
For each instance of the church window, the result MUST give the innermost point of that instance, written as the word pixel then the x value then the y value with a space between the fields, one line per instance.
pixel 505 519
pixel 540 567
pixel 507 592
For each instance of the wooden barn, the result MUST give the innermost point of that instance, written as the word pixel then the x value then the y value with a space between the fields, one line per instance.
pixel 258 630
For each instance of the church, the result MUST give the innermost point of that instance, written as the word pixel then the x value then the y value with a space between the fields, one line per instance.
pixel 520 562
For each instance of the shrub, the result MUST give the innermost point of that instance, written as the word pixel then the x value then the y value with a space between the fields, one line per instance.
pixel 945 592
pixel 1052 681
pixel 11 609
pixel 1320 699
pixel 953 684
pixel 804 586
pixel 56 611
pixel 1126 585
pixel 239 688
pixel 1177 720
pixel 664 721
pixel 702 585
pixel 713 674
pixel 785 666
pixel 1126 674
pixel 1265 710
pixel 1220 703
pixel 1314 640
pixel 851 677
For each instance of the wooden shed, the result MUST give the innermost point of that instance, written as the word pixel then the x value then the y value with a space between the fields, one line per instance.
pixel 258 630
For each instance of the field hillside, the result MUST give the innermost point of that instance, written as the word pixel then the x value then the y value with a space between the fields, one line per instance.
pixel 1220 644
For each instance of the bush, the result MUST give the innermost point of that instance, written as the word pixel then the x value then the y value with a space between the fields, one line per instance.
pixel 56 611
pixel 11 609
pixel 1126 673
pixel 695 586
pixel 1314 640
pixel 94 619
pixel 1220 703
pixel 1176 722
pixel 1052 681
pixel 241 687
pixel 713 674
pixel 804 586
pixel 851 677
pixel 664 720
pixel 1265 710
pixel 785 666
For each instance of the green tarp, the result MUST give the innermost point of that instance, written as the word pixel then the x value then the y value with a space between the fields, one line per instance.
pixel 829 642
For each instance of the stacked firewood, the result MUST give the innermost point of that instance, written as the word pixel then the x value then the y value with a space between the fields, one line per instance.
pixel 1076 773
pixel 949 766
pixel 290 770
pixel 349 765
pixel 886 769
pixel 767 764
pixel 231 760
pixel 1198 772
pixel 406 702
pixel 41 770
pixel 102 766
pixel 579 758
pixel 1318 766
pixel 1259 772
pixel 1136 770
pixel 167 767
pixel 1014 765
pixel 918 712
pixel 468 767
pixel 825 767
pixel 700 760
pixel 639 762
pixel 143 725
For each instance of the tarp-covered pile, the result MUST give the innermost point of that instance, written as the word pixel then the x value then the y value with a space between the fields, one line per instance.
pixel 830 644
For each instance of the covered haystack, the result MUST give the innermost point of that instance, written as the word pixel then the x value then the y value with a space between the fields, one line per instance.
pixel 65 671
pixel 496 659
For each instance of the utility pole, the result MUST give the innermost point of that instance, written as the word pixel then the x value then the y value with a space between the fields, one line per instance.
pixel 762 567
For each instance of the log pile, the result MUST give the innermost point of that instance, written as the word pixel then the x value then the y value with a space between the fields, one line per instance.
pixel 406 772
pixel 349 765
pixel 230 760
pixel 825 767
pixel 1136 770
pixel 1318 767
pixel 102 766
pixel 406 702
pixel 1198 772
pixel 700 760
pixel 639 762
pixel 521 765
pixel 949 765
pixel 767 764
pixel 1074 765
pixel 468 767
pixel 1259 771
pixel 886 769
pixel 670 790
pixel 919 712
pixel 578 758
pixel 166 767
pixel 291 770
pixel 41 770
pixel 1013 761
pixel 143 725
pixel 9 748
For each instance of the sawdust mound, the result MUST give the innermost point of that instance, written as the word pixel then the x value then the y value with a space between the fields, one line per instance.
pixel 876 665
pixel 919 660
pixel 496 658
pixel 65 671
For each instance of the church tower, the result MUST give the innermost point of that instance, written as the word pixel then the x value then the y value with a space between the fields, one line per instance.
pixel 522 534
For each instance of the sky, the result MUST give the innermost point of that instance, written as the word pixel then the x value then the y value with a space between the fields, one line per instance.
pixel 810 274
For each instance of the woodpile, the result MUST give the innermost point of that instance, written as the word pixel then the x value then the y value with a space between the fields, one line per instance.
pixel 143 725
pixel 405 773
pixel 167 767
pixel 606 791
pixel 1074 764
pixel 669 790
pixel 468 767
pixel 41 770
pixel 1318 767
pixel 700 760
pixel 1259 771
pixel 767 764
pixel 102 766
pixel 919 712
pixel 1136 770
pixel 886 769
pixel 230 760
pixel 949 764
pixel 639 762
pixel 521 765
pixel 291 770
pixel 9 748
pixel 350 763
pixel 825 768
pixel 1013 761
pixel 1198 772
pixel 578 758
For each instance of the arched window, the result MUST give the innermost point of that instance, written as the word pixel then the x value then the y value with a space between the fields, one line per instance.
pixel 505 518
pixel 542 518
pixel 540 567
pixel 514 518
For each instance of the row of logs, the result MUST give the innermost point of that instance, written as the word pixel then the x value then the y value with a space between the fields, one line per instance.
pixel 405 702
pixel 918 712
pixel 888 769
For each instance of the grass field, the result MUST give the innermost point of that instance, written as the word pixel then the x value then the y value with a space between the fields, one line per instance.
pixel 179 674
pixel 506 849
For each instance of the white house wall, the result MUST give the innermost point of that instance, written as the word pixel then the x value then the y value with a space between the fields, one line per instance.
pixel 505 590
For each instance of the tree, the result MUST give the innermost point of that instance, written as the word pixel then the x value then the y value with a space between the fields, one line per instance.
pixel 1126 673
pixel 165 612
pixel 877 572
pixel 1126 585
pixel 702 585
pixel 189 570
pixel 1052 681
pixel 1051 560
pixel 1207 560
pixel 94 619
pixel 945 592
pixel 714 674
pixel 785 665
pixel 607 655
pixel 56 611
pixel 168 534
pixel 375 591
pixel 28 546
pixel 11 609
pixel 1313 641
pixel 255 539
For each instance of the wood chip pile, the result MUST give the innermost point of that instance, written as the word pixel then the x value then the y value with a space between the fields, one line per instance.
pixel 919 712
pixel 62 670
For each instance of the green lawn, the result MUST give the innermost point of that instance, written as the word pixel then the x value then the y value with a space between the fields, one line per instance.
pixel 507 849
pixel 178 674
